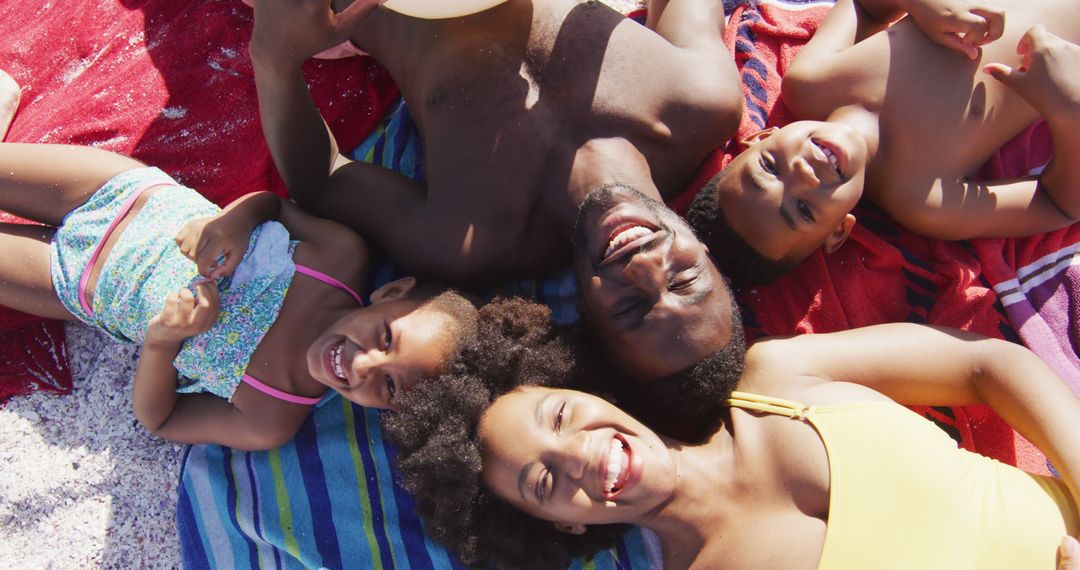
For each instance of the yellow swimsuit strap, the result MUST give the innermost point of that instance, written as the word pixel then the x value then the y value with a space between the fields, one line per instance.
pixel 767 404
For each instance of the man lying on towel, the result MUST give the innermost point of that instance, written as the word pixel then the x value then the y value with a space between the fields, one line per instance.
pixel 525 110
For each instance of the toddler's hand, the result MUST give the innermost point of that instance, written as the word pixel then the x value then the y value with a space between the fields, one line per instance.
pixel 1049 74
pixel 960 25
pixel 185 315
pixel 215 244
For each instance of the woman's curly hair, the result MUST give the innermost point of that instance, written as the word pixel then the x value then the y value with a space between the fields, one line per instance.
pixel 440 455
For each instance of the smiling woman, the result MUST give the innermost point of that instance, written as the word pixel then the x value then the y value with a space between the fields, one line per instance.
pixel 526 476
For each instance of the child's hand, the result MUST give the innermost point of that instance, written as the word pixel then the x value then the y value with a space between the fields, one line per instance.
pixel 1049 74
pixel 216 244
pixel 960 25
pixel 294 30
pixel 184 315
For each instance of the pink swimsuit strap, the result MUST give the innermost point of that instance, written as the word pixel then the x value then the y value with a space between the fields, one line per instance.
pixel 275 393
pixel 314 274
pixel 285 396
pixel 124 209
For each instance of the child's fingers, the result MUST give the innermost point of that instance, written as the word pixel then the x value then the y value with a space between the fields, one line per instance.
pixel 208 294
pixel 226 263
pixel 207 261
pixel 1003 73
pixel 956 43
pixel 994 19
pixel 206 305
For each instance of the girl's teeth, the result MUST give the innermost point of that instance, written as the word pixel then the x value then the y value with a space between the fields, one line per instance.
pixel 335 357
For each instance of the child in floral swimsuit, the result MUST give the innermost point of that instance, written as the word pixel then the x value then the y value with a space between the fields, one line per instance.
pixel 245 315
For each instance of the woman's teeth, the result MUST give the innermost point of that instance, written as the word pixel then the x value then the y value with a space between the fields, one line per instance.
pixel 335 360
pixel 615 466
pixel 625 236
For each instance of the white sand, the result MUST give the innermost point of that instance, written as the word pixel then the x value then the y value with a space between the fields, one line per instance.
pixel 82 485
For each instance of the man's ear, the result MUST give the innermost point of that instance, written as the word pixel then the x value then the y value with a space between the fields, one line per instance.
pixel 570 528
pixel 840 234
pixel 394 290
pixel 758 136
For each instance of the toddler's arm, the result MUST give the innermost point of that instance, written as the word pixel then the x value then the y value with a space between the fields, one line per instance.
pixel 225 236
pixel 1049 79
pixel 199 418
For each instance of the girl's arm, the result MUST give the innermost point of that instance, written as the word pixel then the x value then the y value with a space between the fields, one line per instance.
pixel 923 365
pixel 200 418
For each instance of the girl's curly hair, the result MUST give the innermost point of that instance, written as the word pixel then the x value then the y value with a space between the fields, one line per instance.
pixel 439 456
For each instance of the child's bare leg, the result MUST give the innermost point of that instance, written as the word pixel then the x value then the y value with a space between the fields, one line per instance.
pixel 43 182
pixel 25 280
pixel 10 93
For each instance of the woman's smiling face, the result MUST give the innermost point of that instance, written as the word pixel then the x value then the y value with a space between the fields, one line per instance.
pixel 573 459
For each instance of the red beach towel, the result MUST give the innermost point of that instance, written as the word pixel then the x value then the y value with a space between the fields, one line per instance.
pixel 169 83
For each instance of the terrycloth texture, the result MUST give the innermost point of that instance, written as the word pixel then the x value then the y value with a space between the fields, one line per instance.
pixel 304 505
pixel 167 82
pixel 323 500
pixel 885 273
pixel 1037 278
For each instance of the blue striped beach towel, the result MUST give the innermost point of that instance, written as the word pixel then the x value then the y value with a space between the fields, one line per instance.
pixel 329 499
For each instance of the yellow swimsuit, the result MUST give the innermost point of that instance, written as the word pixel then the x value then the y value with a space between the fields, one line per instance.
pixel 904 496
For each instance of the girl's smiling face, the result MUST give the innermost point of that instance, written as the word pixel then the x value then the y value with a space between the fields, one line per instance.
pixel 373 352
pixel 573 459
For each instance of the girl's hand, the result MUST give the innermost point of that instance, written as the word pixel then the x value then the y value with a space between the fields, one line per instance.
pixel 184 315
pixel 216 244
pixel 1049 74
pixel 960 25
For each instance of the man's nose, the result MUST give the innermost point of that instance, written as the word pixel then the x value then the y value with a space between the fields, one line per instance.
pixel 645 271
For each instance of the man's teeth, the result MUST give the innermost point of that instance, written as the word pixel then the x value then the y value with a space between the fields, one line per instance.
pixel 624 237
pixel 614 466
pixel 335 360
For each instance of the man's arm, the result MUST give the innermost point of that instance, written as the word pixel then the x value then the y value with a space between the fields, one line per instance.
pixel 689 24
pixel 303 149
pixel 923 365
pixel 287 33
